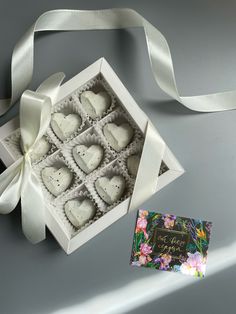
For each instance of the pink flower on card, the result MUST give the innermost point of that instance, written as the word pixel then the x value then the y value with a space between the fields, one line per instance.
pixel 195 264
pixel 169 221
pixel 145 249
pixel 141 226
pixel 143 259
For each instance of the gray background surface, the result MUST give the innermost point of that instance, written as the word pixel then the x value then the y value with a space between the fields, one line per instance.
pixel 42 279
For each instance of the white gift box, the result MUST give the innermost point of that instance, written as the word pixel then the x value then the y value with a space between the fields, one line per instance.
pixel 68 237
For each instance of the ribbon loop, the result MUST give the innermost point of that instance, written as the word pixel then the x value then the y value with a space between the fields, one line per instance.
pixel 35 113
pixel 34 118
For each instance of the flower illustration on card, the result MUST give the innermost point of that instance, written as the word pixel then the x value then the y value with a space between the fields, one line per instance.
pixel 171 243
pixel 194 265
pixel 169 221
pixel 164 261
pixel 142 223
pixel 143 259
pixel 145 249
pixel 201 233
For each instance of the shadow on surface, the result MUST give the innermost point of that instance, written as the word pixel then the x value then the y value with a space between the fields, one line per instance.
pixel 194 299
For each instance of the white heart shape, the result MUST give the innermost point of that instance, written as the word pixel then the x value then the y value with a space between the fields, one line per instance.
pixel 65 125
pixel 57 180
pixel 110 190
pixel 79 212
pixel 133 164
pixel 118 136
pixel 40 149
pixel 88 158
pixel 95 104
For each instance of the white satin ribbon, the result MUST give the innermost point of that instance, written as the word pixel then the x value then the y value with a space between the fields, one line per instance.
pixel 19 180
pixel 74 20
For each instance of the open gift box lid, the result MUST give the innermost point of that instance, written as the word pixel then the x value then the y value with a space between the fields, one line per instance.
pixel 155 153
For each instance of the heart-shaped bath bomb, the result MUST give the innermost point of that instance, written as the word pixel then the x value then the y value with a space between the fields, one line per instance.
pixel 88 158
pixel 57 180
pixel 133 164
pixel 118 136
pixel 95 104
pixel 79 212
pixel 65 125
pixel 41 148
pixel 110 189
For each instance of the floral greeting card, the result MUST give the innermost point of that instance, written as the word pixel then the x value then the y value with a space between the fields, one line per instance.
pixel 171 243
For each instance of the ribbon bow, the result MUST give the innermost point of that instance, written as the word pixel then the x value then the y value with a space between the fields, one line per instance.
pixel 19 180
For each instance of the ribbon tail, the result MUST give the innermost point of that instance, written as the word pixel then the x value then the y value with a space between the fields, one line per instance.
pixel 157 45
pixel 50 86
pixel 32 207
pixel 10 187
pixel 149 167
